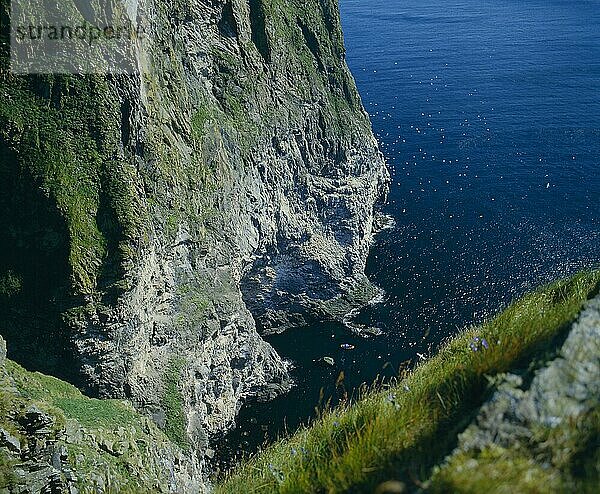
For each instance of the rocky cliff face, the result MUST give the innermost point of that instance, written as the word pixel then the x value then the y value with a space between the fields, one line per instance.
pixel 55 440
pixel 147 221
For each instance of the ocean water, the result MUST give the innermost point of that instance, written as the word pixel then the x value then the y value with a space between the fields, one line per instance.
pixel 488 113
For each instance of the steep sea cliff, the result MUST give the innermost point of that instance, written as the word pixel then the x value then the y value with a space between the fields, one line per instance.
pixel 152 225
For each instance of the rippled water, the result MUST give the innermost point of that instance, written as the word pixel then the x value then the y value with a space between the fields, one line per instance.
pixel 489 115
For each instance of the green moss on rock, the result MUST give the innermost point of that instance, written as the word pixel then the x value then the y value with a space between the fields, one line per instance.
pixel 176 425
pixel 103 445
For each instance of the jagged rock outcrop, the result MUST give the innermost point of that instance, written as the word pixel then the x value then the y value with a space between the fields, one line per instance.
pixel 539 433
pixel 147 221
pixel 55 440
pixel 564 389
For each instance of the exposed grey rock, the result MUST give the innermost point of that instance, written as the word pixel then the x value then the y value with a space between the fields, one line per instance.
pixel 565 388
pixel 570 385
pixel 281 234
pixel 7 440
pixel 327 361
pixel 160 418
pixel 35 421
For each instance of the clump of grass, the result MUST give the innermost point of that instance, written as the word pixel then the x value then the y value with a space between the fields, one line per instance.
pixel 89 412
pixel 402 432
pixel 496 470
pixel 7 474
pixel 10 284
pixel 175 427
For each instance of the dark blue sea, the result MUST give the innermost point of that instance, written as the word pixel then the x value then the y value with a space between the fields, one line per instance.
pixel 488 113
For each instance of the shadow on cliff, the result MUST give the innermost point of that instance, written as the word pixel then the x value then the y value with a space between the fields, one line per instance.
pixel 34 273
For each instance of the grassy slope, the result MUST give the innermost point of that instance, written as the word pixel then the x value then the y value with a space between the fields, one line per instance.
pixel 403 432
pixel 99 426
pixel 89 412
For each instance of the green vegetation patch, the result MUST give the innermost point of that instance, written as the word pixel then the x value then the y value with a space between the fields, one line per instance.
pixel 64 131
pixel 496 471
pixel 176 424
pixel 402 432
pixel 89 412
pixel 110 447
pixel 7 475
pixel 93 413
